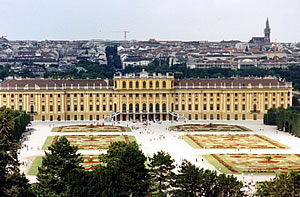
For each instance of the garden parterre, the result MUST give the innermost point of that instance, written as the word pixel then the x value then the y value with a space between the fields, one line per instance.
pixel 242 141
pixel 90 142
pixel 91 128
pixel 208 127
pixel 88 162
pixel 255 163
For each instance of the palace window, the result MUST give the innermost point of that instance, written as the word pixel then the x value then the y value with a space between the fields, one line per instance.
pixel 144 107
pixel 136 84
pixel 164 84
pixel 150 84
pixel 124 84
pixel 157 107
pixel 164 107
pixel 157 84
pixel 137 107
pixel 130 84
pixel 144 84
pixel 151 107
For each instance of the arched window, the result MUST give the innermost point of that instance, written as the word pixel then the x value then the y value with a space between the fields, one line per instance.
pixel 157 84
pixel 31 108
pixel 164 84
pixel 130 84
pixel 254 107
pixel 144 107
pixel 115 84
pixel 164 107
pixel 144 84
pixel 137 84
pixel 151 107
pixel 124 107
pixel 124 84
pixel 157 107
pixel 130 107
pixel 137 107
pixel 150 84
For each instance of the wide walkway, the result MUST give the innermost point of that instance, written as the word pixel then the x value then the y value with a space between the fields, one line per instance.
pixel 156 137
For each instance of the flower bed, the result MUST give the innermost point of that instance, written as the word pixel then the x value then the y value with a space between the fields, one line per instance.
pixel 255 163
pixel 91 128
pixel 89 161
pixel 92 142
pixel 208 127
pixel 241 141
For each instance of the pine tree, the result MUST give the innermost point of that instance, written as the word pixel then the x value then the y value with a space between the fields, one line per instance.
pixel 161 165
pixel 56 165
pixel 129 163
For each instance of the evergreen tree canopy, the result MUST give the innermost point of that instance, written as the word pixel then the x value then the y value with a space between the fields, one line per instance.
pixel 56 165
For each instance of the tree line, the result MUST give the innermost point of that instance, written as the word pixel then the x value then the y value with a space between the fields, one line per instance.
pixel 287 120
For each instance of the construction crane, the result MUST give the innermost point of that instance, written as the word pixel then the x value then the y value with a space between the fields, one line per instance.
pixel 125 34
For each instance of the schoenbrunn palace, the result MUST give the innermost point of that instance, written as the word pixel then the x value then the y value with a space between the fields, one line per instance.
pixel 146 96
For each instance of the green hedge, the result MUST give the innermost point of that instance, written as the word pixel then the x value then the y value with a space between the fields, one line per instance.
pixel 21 120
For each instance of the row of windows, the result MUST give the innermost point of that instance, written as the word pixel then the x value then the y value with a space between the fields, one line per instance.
pixel 196 117
pixel 176 94
pixel 144 107
pixel 75 117
pixel 218 117
pixel 144 84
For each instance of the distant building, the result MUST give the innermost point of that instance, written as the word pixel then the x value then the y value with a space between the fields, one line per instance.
pixel 263 40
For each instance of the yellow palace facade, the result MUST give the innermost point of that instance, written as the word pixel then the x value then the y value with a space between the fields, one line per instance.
pixel 146 96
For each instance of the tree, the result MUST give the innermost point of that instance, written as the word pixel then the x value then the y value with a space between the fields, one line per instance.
pixel 161 166
pixel 12 183
pixel 188 181
pixel 228 186
pixel 56 165
pixel 282 185
pixel 129 163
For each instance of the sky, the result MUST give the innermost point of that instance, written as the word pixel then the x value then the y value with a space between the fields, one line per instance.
pixel 204 20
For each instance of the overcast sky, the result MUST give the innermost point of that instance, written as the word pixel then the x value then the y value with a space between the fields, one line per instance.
pixel 212 20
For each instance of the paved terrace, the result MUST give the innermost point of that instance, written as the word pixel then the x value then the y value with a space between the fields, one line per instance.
pixel 156 137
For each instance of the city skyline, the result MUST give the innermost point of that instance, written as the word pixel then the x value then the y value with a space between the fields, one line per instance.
pixel 215 20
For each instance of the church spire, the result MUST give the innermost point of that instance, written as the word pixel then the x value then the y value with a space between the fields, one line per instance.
pixel 267 31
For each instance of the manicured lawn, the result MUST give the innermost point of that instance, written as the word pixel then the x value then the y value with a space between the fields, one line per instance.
pixel 244 141
pixel 37 162
pixel 208 127
pixel 90 142
pixel 254 163
pixel 91 128
pixel 48 142
pixel 88 162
